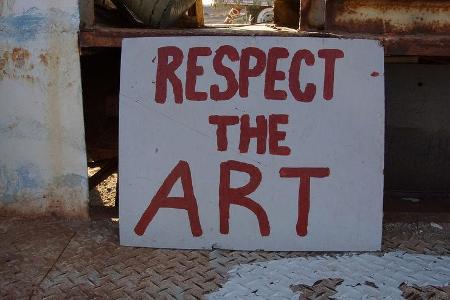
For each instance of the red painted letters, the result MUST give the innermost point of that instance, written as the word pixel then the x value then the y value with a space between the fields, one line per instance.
pixel 304 174
pixel 220 69
pixel 275 135
pixel 238 196
pixel 222 122
pixel 245 71
pixel 229 195
pixel 252 63
pixel 192 71
pixel 294 77
pixel 272 74
pixel 166 72
pixel 330 56
pixel 162 200
pixel 225 82
pixel 259 132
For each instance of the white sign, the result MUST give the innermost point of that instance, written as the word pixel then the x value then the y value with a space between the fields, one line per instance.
pixel 251 143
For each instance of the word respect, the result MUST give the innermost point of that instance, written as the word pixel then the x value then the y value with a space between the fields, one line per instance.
pixel 252 62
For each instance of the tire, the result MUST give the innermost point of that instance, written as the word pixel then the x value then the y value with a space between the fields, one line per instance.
pixel 265 15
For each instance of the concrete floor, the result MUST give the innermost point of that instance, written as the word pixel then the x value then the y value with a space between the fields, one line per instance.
pixel 52 258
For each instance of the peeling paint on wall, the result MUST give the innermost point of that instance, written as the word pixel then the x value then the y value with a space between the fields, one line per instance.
pixel 23 180
pixel 27 180
pixel 42 150
pixel 23 27
pixel 34 22
pixel 15 63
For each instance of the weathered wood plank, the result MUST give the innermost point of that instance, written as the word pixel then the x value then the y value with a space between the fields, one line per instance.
pixel 199 13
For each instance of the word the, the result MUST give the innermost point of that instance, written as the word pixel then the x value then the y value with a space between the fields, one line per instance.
pixel 260 132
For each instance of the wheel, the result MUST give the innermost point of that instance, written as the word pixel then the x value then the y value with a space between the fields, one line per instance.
pixel 265 16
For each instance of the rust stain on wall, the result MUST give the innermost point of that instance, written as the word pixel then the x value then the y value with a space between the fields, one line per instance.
pixel 20 57
pixel 54 101
pixel 44 58
pixel 3 61
pixel 17 64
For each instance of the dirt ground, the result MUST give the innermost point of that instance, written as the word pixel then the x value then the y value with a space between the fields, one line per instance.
pixel 105 193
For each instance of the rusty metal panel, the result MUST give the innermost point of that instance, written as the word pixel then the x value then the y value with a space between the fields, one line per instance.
pixel 387 16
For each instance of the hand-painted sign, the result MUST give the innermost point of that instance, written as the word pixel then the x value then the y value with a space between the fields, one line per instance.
pixel 251 143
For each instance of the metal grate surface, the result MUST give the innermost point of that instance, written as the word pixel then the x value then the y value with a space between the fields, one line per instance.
pixel 48 258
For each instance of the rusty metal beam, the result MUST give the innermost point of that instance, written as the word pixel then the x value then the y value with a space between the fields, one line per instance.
pixel 416 45
pixel 395 45
pixel 112 37
pixel 388 16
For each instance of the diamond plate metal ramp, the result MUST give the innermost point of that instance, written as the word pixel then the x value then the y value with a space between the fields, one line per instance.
pixel 54 259
pixel 28 250
pixel 357 276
